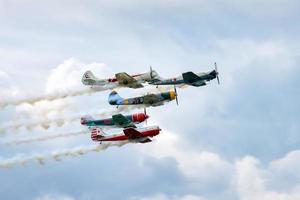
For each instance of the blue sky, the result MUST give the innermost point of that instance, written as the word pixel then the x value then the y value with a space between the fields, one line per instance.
pixel 237 140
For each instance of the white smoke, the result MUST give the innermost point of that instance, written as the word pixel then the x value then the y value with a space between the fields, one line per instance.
pixel 44 138
pixel 57 155
pixel 54 96
pixel 58 122
pixel 63 81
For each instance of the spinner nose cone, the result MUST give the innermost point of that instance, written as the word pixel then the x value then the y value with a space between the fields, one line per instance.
pixel 214 73
pixel 142 117
pixel 173 95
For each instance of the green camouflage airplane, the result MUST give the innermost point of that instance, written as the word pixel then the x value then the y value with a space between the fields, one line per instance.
pixel 118 120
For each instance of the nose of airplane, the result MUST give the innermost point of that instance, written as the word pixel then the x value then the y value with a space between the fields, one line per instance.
pixel 142 117
pixel 172 95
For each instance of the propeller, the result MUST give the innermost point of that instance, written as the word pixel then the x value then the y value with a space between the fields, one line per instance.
pixel 176 95
pixel 145 112
pixel 217 73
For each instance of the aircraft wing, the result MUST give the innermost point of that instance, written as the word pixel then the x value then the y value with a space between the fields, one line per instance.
pixel 121 121
pixel 127 80
pixel 131 133
pixel 146 140
pixel 151 99
pixel 191 78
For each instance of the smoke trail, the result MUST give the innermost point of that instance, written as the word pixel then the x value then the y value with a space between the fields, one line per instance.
pixel 80 92
pixel 56 96
pixel 44 138
pixel 46 124
pixel 57 155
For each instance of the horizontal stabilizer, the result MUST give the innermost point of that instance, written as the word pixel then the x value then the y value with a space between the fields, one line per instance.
pixel 96 133
pixel 114 98
pixel 86 119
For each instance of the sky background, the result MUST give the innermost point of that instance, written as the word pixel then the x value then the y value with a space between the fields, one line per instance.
pixel 235 141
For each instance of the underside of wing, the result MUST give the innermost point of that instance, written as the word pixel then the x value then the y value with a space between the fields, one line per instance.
pixel 132 133
pixel 145 140
pixel 198 83
pixel 127 80
pixel 121 121
pixel 190 78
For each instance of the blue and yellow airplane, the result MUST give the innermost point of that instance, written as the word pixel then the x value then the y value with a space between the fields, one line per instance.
pixel 148 99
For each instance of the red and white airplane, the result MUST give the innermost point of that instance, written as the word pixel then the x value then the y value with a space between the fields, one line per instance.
pixel 140 135
pixel 120 79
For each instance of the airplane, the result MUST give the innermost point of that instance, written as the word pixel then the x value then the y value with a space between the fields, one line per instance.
pixel 119 120
pixel 141 135
pixel 148 99
pixel 188 78
pixel 119 80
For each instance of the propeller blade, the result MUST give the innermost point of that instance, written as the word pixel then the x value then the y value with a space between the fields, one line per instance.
pixel 217 73
pixel 216 67
pixel 145 112
pixel 176 95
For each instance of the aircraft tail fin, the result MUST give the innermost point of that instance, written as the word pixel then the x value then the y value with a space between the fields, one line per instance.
pixel 85 119
pixel 154 76
pixel 89 78
pixel 114 97
pixel 97 133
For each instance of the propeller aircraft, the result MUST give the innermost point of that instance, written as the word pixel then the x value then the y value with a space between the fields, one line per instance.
pixel 119 120
pixel 148 99
pixel 119 80
pixel 188 78
pixel 141 135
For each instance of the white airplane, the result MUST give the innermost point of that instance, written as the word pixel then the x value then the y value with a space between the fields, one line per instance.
pixel 120 80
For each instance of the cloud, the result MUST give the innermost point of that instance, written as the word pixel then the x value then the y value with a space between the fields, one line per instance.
pixel 8 88
pixel 244 177
pixel 203 170
pixel 251 182
pixel 290 163
pixel 67 76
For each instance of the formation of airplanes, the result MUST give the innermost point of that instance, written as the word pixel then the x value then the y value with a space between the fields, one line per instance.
pixel 131 132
